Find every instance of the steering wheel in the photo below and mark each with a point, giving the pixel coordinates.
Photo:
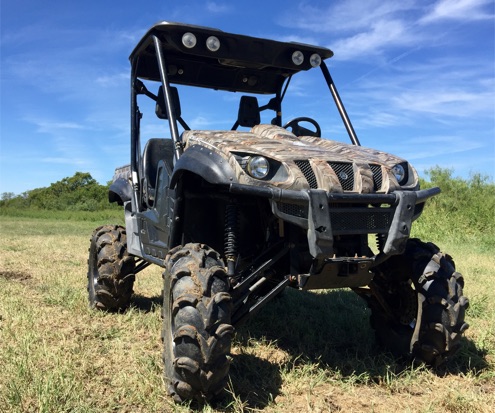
(299, 130)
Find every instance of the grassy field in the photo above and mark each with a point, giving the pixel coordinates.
(307, 352)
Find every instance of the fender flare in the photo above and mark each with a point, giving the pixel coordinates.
(206, 163)
(120, 191)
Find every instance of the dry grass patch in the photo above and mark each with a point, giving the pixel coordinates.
(307, 352)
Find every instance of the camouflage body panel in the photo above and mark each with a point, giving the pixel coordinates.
(309, 162)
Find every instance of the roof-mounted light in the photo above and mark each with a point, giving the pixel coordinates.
(297, 58)
(189, 40)
(212, 43)
(315, 60)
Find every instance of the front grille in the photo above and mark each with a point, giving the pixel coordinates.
(360, 221)
(377, 176)
(345, 173)
(347, 219)
(308, 173)
(300, 211)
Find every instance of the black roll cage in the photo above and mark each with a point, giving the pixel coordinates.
(164, 33)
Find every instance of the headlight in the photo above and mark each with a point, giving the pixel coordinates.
(297, 58)
(400, 173)
(212, 43)
(315, 60)
(189, 40)
(258, 167)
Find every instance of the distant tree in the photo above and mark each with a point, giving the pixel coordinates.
(78, 192)
(7, 196)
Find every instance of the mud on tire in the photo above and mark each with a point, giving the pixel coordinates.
(110, 269)
(197, 330)
(418, 306)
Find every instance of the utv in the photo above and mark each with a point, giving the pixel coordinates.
(234, 216)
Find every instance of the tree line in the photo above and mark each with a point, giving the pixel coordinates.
(472, 199)
(80, 192)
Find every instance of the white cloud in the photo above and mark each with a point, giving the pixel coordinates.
(47, 126)
(344, 16)
(378, 36)
(464, 10)
(437, 146)
(215, 7)
(205, 121)
(383, 118)
(355, 29)
(446, 90)
(454, 102)
(118, 79)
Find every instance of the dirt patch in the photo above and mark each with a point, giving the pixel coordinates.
(15, 275)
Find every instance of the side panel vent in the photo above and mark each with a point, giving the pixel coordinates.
(345, 173)
(308, 173)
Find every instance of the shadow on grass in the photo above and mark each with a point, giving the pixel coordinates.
(254, 382)
(146, 304)
(469, 359)
(330, 330)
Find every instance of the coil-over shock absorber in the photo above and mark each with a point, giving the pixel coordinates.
(380, 241)
(230, 243)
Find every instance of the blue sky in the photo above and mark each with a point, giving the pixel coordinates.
(417, 77)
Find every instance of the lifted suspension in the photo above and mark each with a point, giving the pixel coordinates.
(230, 242)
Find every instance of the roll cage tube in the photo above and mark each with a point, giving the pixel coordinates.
(172, 121)
(339, 104)
(135, 145)
(136, 88)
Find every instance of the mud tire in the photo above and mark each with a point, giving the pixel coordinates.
(110, 269)
(424, 295)
(197, 331)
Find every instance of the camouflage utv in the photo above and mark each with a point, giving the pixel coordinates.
(235, 216)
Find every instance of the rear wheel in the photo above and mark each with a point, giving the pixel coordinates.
(197, 330)
(110, 269)
(418, 304)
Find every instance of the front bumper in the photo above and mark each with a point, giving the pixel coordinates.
(325, 215)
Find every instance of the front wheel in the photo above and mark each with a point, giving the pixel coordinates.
(197, 330)
(417, 304)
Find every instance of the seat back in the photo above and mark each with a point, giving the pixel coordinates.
(156, 150)
(249, 112)
(160, 108)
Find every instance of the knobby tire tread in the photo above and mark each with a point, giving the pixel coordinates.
(197, 330)
(440, 308)
(110, 269)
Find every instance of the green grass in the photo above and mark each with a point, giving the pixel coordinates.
(103, 216)
(306, 352)
(464, 212)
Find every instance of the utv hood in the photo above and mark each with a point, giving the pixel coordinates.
(304, 162)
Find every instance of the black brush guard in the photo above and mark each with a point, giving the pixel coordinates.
(325, 215)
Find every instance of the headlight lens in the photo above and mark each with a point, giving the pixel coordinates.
(400, 174)
(258, 167)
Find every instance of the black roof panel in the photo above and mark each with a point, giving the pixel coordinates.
(242, 63)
